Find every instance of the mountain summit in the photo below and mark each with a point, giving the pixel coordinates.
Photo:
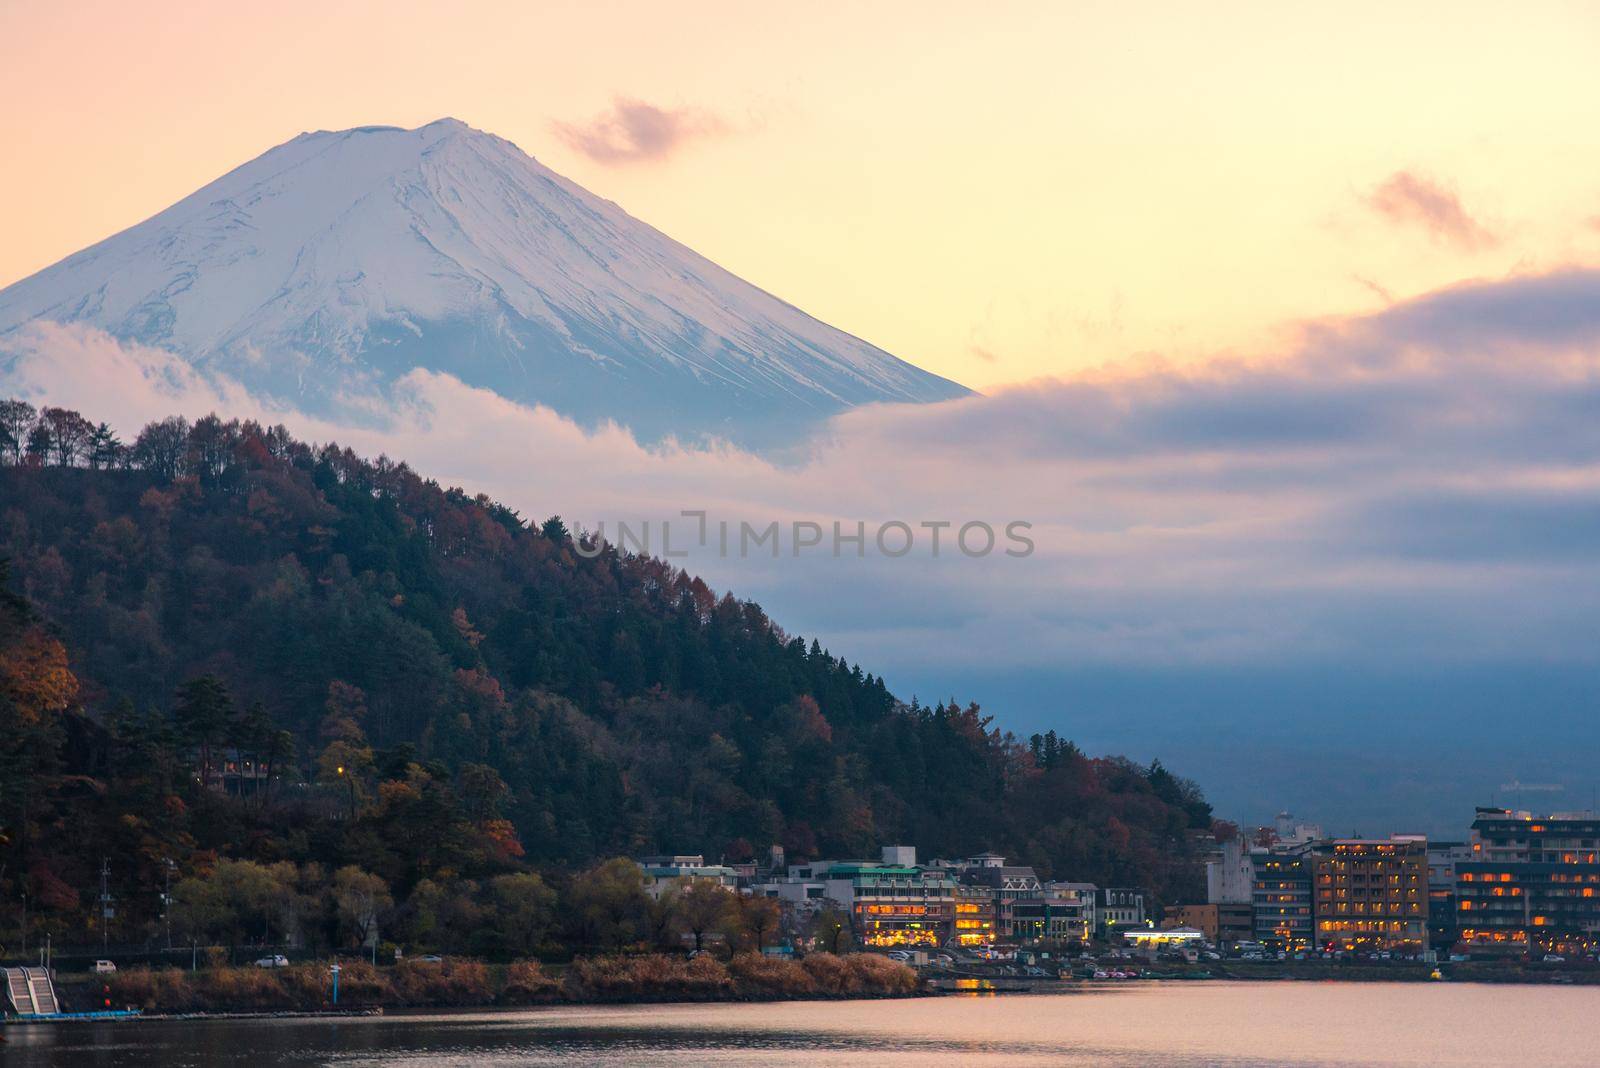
(339, 261)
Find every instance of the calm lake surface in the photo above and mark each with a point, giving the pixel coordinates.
(1175, 1023)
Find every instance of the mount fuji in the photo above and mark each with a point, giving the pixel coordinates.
(335, 263)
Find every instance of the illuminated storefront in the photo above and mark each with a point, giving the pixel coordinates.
(974, 916)
(1046, 918)
(1163, 937)
(891, 902)
(899, 906)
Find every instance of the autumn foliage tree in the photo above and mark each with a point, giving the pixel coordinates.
(37, 688)
(499, 701)
(706, 907)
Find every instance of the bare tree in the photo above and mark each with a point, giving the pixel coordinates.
(16, 419)
(69, 434)
(160, 447)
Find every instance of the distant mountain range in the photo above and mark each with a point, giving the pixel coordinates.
(335, 263)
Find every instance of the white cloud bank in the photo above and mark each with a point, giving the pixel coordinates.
(1423, 484)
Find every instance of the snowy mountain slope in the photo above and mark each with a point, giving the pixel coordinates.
(338, 261)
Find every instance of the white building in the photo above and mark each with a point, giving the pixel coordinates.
(662, 872)
(1230, 880)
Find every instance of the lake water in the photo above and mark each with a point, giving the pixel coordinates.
(1175, 1023)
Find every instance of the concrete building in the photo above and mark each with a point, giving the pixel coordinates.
(890, 902)
(987, 890)
(1118, 908)
(1229, 877)
(1005, 882)
(1223, 923)
(1370, 893)
(1532, 883)
(1442, 860)
(1087, 897)
(1290, 832)
(1280, 898)
(662, 872)
(974, 912)
(1043, 918)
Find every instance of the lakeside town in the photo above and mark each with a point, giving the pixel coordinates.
(1519, 890)
(306, 823)
(1520, 887)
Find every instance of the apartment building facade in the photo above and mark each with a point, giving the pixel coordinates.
(1531, 883)
(1370, 894)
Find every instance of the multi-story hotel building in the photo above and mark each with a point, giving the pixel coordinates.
(891, 902)
(1442, 860)
(1370, 893)
(1280, 898)
(974, 915)
(1532, 883)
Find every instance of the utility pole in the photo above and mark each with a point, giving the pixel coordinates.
(166, 898)
(106, 911)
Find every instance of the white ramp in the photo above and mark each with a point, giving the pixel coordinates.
(30, 992)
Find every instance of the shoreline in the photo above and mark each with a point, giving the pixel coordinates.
(403, 1011)
(927, 987)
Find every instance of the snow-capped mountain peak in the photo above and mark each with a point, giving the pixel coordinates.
(340, 260)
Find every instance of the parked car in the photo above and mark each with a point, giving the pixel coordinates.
(434, 958)
(277, 960)
(1554, 958)
(104, 967)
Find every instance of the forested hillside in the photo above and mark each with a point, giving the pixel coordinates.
(436, 687)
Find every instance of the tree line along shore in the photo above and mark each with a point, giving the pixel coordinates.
(468, 983)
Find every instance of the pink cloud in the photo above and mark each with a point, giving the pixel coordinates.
(633, 131)
(1408, 198)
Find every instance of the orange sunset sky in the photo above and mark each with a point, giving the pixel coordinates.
(994, 193)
